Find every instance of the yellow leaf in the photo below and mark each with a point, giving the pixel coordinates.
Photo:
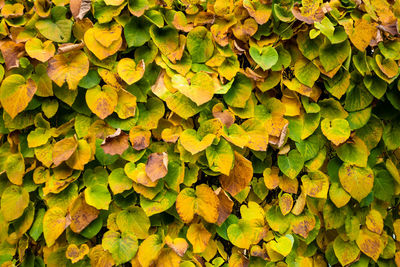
(76, 254)
(285, 203)
(126, 106)
(370, 244)
(374, 221)
(138, 174)
(129, 71)
(179, 245)
(16, 93)
(102, 101)
(168, 258)
(203, 202)
(198, 236)
(303, 224)
(316, 184)
(358, 182)
(103, 40)
(40, 51)
(64, 149)
(271, 177)
(69, 67)
(81, 156)
(149, 250)
(192, 142)
(54, 223)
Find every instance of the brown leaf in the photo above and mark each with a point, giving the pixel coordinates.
(116, 143)
(82, 214)
(65, 48)
(225, 205)
(63, 150)
(11, 52)
(239, 177)
(140, 138)
(157, 166)
(79, 8)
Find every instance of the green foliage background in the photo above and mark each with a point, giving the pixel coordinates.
(199, 133)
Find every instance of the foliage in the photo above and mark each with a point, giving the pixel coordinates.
(199, 133)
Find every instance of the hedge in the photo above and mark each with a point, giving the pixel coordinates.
(199, 133)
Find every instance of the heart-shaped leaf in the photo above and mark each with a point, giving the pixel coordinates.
(69, 67)
(336, 130)
(291, 164)
(129, 71)
(265, 57)
(16, 93)
(41, 51)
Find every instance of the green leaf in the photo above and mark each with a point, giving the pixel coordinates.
(135, 221)
(123, 247)
(199, 44)
(14, 201)
(220, 157)
(265, 57)
(59, 31)
(291, 164)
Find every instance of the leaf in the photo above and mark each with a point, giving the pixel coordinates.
(200, 90)
(98, 196)
(129, 71)
(285, 203)
(79, 8)
(370, 244)
(123, 247)
(150, 249)
(198, 236)
(357, 181)
(76, 254)
(54, 223)
(179, 245)
(81, 214)
(374, 221)
(242, 234)
(81, 156)
(157, 166)
(283, 245)
(14, 200)
(336, 130)
(103, 40)
(265, 57)
(40, 51)
(239, 177)
(14, 166)
(199, 44)
(306, 72)
(220, 157)
(118, 181)
(102, 100)
(194, 143)
(333, 55)
(135, 221)
(354, 151)
(116, 143)
(291, 164)
(58, 31)
(201, 201)
(346, 252)
(64, 149)
(69, 67)
(16, 93)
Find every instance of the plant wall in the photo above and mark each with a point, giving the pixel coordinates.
(199, 133)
